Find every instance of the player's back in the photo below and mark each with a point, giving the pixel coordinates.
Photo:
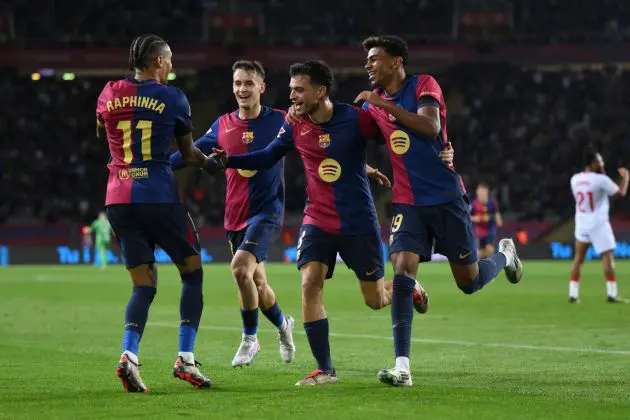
(420, 176)
(141, 119)
(334, 154)
(591, 191)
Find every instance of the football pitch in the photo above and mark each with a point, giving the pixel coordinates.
(507, 352)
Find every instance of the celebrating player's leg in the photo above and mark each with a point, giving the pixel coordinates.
(254, 205)
(430, 206)
(139, 116)
(591, 189)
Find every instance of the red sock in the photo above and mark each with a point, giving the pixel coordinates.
(575, 277)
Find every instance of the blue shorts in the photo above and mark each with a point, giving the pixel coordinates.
(445, 228)
(254, 239)
(363, 254)
(140, 227)
(489, 239)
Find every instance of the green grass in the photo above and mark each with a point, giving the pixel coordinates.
(508, 352)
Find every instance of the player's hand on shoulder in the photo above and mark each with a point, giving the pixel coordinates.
(220, 156)
(448, 154)
(623, 172)
(371, 97)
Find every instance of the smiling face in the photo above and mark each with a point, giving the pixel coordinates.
(380, 66)
(305, 96)
(247, 87)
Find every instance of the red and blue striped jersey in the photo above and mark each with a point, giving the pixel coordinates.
(488, 212)
(141, 120)
(251, 196)
(338, 200)
(420, 176)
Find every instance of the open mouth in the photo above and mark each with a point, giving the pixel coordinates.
(372, 75)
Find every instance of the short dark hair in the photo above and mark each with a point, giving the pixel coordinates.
(250, 66)
(393, 45)
(590, 154)
(319, 72)
(143, 49)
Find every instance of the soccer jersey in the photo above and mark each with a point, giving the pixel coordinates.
(102, 230)
(591, 191)
(141, 119)
(339, 200)
(420, 176)
(488, 214)
(251, 195)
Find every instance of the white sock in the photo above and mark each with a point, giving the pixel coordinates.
(249, 337)
(574, 289)
(187, 356)
(402, 363)
(131, 356)
(611, 288)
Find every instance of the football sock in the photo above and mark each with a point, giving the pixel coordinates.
(611, 286)
(136, 316)
(574, 286)
(274, 314)
(402, 314)
(190, 309)
(250, 321)
(317, 334)
(489, 268)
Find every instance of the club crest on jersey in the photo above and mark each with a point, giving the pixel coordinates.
(324, 140)
(329, 170)
(399, 142)
(391, 117)
(248, 137)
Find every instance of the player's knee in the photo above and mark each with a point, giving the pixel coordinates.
(373, 301)
(242, 275)
(190, 264)
(262, 287)
(468, 289)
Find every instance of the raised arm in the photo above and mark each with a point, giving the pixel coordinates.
(622, 188)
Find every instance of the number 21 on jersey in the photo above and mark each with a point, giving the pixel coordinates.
(145, 139)
(585, 202)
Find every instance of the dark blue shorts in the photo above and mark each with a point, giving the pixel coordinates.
(254, 239)
(362, 254)
(445, 228)
(140, 227)
(489, 239)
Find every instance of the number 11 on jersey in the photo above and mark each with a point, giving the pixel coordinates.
(145, 139)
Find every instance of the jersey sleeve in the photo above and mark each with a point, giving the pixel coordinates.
(267, 157)
(609, 185)
(495, 203)
(183, 121)
(101, 107)
(369, 127)
(204, 143)
(427, 89)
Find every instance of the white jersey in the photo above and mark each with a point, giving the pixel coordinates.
(591, 191)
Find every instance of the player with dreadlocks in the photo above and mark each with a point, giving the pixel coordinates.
(139, 116)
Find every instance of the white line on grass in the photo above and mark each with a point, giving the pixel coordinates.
(428, 341)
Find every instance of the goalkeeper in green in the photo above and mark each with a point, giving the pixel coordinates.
(103, 232)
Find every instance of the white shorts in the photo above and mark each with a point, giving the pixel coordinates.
(600, 236)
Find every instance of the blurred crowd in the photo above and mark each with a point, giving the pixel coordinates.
(324, 22)
(522, 131)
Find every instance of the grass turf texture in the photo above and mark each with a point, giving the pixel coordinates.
(510, 351)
